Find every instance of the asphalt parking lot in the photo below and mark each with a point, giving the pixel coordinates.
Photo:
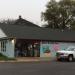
(38, 68)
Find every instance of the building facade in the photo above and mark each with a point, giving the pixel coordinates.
(30, 40)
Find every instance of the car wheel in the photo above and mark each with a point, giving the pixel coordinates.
(70, 58)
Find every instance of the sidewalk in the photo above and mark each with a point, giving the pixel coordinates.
(27, 59)
(35, 59)
(30, 59)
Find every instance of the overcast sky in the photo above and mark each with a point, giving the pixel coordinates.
(29, 9)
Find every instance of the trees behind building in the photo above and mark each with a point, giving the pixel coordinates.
(59, 15)
(8, 21)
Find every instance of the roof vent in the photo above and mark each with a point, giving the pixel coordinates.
(20, 17)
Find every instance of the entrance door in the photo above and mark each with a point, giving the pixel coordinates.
(33, 50)
(36, 50)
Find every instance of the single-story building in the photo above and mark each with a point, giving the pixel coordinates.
(33, 41)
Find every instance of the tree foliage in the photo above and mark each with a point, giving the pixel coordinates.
(60, 14)
(8, 21)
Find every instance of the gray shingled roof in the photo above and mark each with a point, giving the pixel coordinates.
(26, 32)
(24, 22)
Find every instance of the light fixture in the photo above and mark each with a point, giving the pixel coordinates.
(12, 40)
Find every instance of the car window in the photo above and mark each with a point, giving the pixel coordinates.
(71, 49)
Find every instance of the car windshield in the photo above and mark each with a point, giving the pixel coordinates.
(71, 49)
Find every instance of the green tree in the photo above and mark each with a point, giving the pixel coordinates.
(8, 21)
(60, 14)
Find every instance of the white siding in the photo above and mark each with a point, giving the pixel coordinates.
(0, 46)
(9, 49)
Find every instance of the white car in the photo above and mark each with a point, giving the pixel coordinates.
(68, 54)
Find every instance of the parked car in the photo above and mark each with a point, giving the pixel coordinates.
(68, 54)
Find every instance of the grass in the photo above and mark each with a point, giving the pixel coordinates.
(3, 57)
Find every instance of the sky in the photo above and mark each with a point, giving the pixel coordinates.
(28, 9)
